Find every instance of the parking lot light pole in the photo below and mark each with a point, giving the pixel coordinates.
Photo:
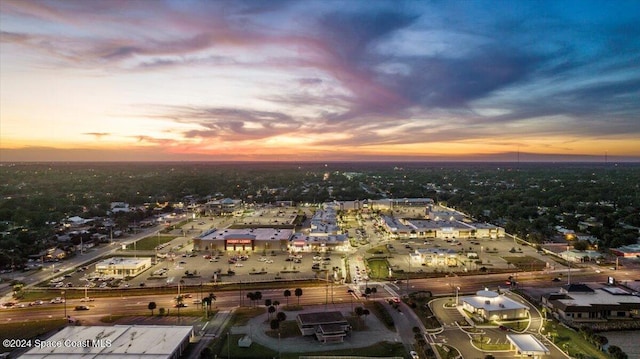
(457, 289)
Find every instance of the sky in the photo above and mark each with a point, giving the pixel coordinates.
(127, 80)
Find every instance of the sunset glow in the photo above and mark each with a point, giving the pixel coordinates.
(317, 80)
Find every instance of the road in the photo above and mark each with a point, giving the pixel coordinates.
(51, 270)
(118, 306)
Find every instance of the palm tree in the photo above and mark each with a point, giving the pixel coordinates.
(365, 312)
(281, 316)
(359, 312)
(287, 294)
(258, 296)
(251, 297)
(152, 306)
(298, 293)
(276, 303)
(275, 324)
(271, 310)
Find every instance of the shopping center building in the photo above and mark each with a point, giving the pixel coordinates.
(244, 239)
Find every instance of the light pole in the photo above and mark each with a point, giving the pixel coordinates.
(64, 294)
(457, 289)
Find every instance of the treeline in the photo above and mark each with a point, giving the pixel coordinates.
(527, 199)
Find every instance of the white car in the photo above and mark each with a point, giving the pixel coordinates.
(414, 355)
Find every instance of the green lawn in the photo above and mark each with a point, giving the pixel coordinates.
(150, 243)
(525, 263)
(378, 268)
(575, 342)
(225, 346)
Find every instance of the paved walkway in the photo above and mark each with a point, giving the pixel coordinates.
(375, 332)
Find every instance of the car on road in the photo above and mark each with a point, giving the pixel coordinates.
(414, 354)
(180, 305)
(87, 299)
(556, 279)
(504, 328)
(81, 307)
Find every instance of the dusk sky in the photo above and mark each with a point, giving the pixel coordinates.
(319, 80)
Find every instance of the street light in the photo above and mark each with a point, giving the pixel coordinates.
(457, 289)
(64, 294)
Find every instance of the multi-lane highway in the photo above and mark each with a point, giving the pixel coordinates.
(118, 306)
(320, 295)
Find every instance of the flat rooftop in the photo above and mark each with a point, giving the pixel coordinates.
(120, 341)
(321, 318)
(260, 234)
(527, 344)
(123, 261)
(602, 296)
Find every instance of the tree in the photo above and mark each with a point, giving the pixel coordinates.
(251, 296)
(359, 312)
(152, 306)
(366, 312)
(580, 245)
(601, 341)
(298, 293)
(267, 303)
(274, 324)
(207, 301)
(276, 303)
(287, 294)
(271, 310)
(281, 316)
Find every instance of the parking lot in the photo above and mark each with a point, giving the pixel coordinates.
(181, 265)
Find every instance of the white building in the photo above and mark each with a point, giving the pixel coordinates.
(122, 267)
(492, 306)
